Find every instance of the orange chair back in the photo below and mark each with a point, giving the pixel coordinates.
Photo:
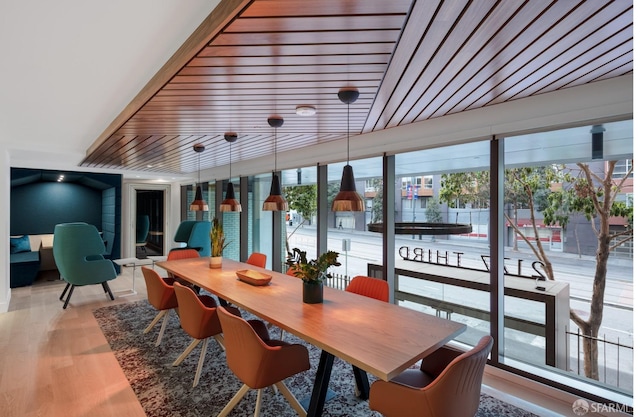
(258, 259)
(182, 254)
(369, 287)
(160, 294)
(253, 361)
(197, 320)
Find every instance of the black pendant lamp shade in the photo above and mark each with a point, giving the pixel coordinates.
(230, 203)
(348, 198)
(275, 201)
(198, 204)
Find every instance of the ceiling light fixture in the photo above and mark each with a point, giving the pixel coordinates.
(348, 198)
(230, 203)
(275, 201)
(198, 203)
(305, 110)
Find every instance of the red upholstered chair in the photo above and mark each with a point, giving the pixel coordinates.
(373, 288)
(260, 363)
(257, 259)
(199, 320)
(446, 385)
(176, 254)
(369, 287)
(161, 296)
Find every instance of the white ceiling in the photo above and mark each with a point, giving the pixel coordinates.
(69, 67)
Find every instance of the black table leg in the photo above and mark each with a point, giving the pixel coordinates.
(362, 382)
(321, 385)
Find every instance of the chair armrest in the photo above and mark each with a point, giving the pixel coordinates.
(435, 363)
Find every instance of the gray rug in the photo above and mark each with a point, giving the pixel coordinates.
(164, 390)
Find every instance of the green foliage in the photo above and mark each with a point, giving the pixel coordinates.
(432, 212)
(376, 204)
(217, 238)
(314, 270)
(465, 188)
(302, 198)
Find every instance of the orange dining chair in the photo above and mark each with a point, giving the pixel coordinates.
(176, 254)
(260, 363)
(257, 259)
(373, 288)
(369, 287)
(199, 320)
(161, 296)
(446, 385)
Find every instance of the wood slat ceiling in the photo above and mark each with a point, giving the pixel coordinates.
(410, 60)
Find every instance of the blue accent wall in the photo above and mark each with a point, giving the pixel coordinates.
(36, 208)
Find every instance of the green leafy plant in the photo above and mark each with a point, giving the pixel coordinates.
(217, 238)
(314, 270)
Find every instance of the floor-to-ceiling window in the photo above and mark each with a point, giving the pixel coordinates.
(441, 252)
(568, 204)
(299, 187)
(260, 222)
(348, 232)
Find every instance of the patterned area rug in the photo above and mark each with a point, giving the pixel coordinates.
(165, 390)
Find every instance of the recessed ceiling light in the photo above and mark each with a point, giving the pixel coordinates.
(304, 110)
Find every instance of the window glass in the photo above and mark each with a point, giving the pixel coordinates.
(300, 189)
(347, 231)
(552, 225)
(445, 274)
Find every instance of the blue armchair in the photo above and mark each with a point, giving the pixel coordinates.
(78, 251)
(196, 235)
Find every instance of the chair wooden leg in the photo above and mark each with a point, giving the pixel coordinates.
(163, 326)
(106, 288)
(292, 399)
(220, 339)
(256, 412)
(203, 352)
(235, 400)
(65, 291)
(155, 320)
(66, 303)
(186, 352)
(161, 313)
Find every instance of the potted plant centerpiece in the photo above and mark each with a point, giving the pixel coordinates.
(217, 244)
(312, 273)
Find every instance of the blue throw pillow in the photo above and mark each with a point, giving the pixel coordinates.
(20, 244)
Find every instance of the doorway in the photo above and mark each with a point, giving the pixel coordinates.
(149, 223)
(146, 216)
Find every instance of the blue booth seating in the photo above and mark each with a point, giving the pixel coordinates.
(24, 259)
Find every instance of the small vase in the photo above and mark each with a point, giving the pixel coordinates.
(312, 292)
(215, 262)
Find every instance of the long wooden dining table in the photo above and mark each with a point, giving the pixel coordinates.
(376, 337)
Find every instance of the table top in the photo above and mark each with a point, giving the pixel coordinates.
(380, 338)
(132, 261)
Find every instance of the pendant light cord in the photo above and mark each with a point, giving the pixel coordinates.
(348, 131)
(275, 150)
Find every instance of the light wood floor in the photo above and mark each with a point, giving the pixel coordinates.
(57, 363)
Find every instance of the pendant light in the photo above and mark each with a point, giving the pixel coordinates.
(348, 198)
(230, 203)
(198, 204)
(275, 201)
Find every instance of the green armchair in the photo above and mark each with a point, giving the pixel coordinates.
(196, 235)
(78, 251)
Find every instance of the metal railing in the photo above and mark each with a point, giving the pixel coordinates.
(610, 356)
